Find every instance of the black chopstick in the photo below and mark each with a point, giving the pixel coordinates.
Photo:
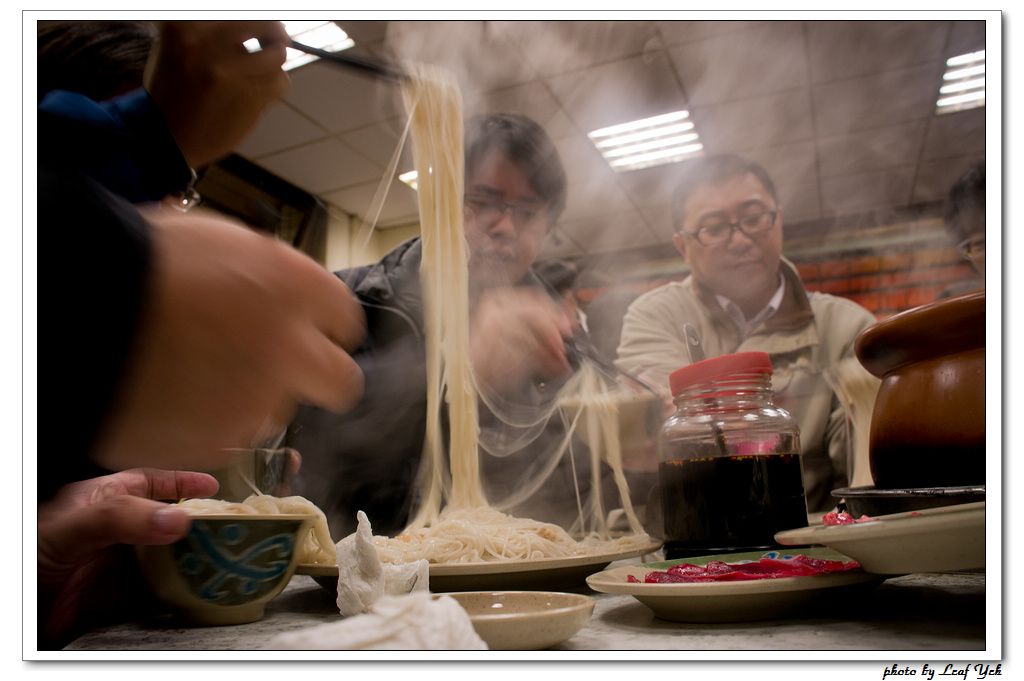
(577, 349)
(370, 66)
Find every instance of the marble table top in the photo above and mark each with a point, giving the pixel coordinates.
(926, 612)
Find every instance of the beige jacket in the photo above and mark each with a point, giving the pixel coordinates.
(810, 334)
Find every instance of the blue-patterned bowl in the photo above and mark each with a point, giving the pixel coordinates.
(228, 566)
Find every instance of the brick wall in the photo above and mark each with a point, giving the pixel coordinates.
(890, 283)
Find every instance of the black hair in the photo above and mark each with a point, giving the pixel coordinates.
(99, 59)
(714, 170)
(529, 147)
(964, 211)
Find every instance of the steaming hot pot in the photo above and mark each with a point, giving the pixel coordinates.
(928, 424)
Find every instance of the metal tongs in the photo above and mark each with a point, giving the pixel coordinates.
(696, 352)
(378, 69)
(580, 348)
(693, 346)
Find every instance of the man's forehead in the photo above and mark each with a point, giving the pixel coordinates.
(498, 175)
(730, 193)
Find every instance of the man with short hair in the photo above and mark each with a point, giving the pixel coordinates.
(963, 216)
(741, 296)
(367, 460)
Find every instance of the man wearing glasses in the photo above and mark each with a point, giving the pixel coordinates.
(742, 295)
(964, 219)
(367, 460)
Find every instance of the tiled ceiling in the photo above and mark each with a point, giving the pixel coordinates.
(842, 113)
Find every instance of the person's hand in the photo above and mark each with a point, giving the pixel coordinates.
(518, 335)
(291, 469)
(236, 329)
(210, 88)
(83, 572)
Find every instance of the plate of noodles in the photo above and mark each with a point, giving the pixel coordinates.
(546, 574)
(468, 543)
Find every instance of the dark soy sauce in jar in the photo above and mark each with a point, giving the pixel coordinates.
(724, 504)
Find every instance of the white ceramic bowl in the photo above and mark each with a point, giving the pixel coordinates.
(525, 620)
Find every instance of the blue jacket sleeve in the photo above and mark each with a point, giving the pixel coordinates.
(95, 161)
(123, 143)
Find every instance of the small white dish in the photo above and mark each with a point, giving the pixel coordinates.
(944, 539)
(524, 620)
(739, 601)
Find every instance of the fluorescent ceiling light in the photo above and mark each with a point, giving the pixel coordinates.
(324, 35)
(963, 83)
(966, 58)
(960, 74)
(659, 144)
(667, 138)
(409, 178)
(978, 83)
(656, 158)
(643, 135)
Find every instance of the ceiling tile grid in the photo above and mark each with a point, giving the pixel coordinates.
(767, 59)
(842, 113)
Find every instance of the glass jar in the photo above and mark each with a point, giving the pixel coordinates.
(728, 460)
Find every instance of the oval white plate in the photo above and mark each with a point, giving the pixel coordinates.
(541, 573)
(739, 601)
(944, 539)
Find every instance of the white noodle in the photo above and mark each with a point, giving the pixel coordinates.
(317, 546)
(856, 390)
(468, 529)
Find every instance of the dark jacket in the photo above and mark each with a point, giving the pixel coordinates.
(95, 160)
(367, 459)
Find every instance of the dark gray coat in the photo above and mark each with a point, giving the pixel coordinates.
(367, 460)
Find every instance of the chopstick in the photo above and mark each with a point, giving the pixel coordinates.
(696, 352)
(374, 68)
(578, 350)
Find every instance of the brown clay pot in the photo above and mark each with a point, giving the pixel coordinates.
(928, 424)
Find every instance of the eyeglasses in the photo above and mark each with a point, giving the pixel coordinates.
(490, 210)
(720, 232)
(973, 247)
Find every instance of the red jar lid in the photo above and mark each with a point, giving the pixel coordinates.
(709, 370)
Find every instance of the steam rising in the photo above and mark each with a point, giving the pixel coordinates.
(815, 102)
(839, 112)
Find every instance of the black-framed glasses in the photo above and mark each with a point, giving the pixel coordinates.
(973, 247)
(490, 209)
(719, 232)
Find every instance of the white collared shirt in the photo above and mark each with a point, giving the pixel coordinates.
(747, 326)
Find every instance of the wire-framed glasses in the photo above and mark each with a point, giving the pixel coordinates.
(490, 209)
(973, 247)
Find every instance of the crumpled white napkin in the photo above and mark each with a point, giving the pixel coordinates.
(414, 621)
(363, 578)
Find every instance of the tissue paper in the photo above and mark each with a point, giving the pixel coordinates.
(363, 578)
(415, 621)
